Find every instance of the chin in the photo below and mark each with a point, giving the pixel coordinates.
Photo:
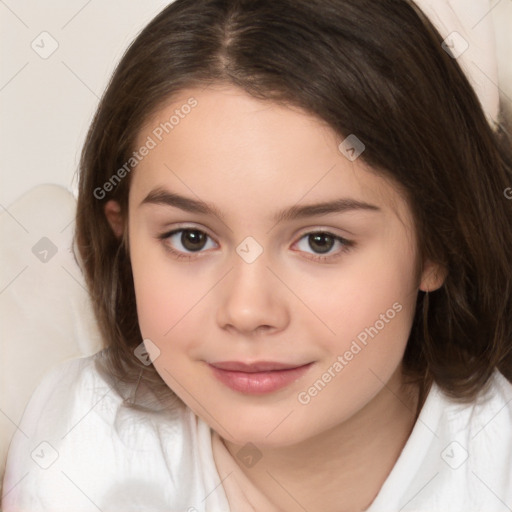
(269, 432)
(261, 439)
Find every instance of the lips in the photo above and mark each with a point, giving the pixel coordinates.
(257, 378)
(259, 366)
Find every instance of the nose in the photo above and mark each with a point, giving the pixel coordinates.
(252, 300)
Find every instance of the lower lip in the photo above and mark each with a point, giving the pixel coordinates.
(259, 383)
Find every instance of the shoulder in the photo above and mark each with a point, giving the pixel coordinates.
(57, 393)
(491, 413)
(458, 456)
(484, 425)
(68, 389)
(81, 387)
(79, 431)
(475, 448)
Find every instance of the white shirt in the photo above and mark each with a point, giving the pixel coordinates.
(78, 449)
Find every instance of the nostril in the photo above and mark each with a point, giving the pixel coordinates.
(263, 328)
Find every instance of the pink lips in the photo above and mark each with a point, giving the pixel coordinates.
(259, 377)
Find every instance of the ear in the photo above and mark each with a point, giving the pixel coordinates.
(432, 277)
(114, 217)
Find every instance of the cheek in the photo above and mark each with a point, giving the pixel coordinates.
(372, 328)
(372, 296)
(167, 314)
(166, 293)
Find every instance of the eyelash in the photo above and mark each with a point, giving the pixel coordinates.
(346, 245)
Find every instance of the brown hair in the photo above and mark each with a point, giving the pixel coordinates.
(374, 69)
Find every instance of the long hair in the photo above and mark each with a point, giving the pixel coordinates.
(374, 69)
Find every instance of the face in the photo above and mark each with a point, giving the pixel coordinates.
(232, 263)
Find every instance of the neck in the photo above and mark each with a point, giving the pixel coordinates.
(347, 464)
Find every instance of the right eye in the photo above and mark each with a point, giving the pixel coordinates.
(191, 240)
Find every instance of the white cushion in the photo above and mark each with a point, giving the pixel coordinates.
(45, 312)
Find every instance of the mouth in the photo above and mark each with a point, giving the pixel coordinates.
(257, 378)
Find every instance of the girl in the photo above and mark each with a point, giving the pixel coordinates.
(294, 226)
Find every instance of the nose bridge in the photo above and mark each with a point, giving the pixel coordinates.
(250, 273)
(250, 295)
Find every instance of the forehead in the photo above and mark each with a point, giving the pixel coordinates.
(228, 148)
(225, 117)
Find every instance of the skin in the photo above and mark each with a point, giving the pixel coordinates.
(251, 159)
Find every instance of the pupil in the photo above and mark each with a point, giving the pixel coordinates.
(323, 242)
(193, 240)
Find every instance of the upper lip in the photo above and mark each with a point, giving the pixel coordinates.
(257, 366)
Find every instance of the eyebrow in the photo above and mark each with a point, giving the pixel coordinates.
(162, 197)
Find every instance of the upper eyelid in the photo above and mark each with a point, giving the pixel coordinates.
(174, 230)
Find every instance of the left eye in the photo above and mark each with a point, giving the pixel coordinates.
(321, 242)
